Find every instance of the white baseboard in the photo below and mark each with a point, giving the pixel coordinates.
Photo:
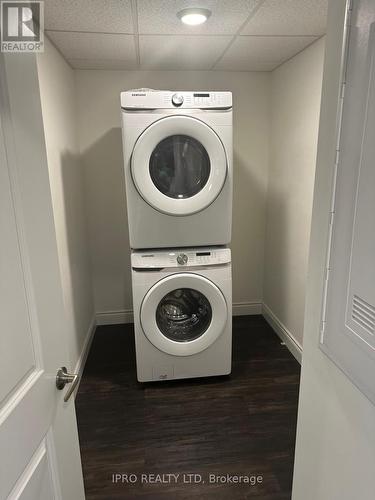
(239, 308)
(285, 335)
(126, 315)
(246, 308)
(114, 317)
(80, 365)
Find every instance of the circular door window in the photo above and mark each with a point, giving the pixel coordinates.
(179, 165)
(183, 314)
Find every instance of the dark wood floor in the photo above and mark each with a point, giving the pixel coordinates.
(243, 424)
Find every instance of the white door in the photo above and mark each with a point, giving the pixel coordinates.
(39, 450)
(179, 165)
(183, 314)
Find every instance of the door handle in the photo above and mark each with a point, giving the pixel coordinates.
(63, 378)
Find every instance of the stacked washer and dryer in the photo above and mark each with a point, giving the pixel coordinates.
(179, 181)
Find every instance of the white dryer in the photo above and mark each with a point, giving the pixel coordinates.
(182, 302)
(178, 167)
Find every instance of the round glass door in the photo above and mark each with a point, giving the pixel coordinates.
(183, 315)
(179, 166)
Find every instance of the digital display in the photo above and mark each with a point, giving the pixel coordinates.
(201, 95)
(201, 254)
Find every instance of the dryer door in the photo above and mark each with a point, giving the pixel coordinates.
(179, 165)
(183, 314)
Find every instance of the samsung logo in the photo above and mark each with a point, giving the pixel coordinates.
(135, 95)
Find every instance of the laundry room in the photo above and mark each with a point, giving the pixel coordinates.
(181, 141)
(275, 111)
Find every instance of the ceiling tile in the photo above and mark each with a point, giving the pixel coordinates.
(288, 17)
(95, 46)
(105, 64)
(102, 16)
(159, 17)
(181, 52)
(261, 53)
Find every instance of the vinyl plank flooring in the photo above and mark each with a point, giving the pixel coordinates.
(242, 424)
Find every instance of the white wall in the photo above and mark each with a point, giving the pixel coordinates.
(274, 113)
(58, 98)
(335, 450)
(295, 104)
(100, 142)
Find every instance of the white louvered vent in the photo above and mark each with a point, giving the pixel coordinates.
(364, 314)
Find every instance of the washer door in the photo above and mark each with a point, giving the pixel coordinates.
(179, 165)
(183, 314)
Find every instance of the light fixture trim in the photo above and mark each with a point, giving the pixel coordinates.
(194, 16)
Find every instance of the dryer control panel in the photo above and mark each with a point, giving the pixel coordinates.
(184, 257)
(166, 99)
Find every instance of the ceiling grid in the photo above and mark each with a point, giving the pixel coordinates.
(136, 29)
(252, 13)
(240, 35)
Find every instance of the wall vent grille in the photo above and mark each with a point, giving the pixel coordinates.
(364, 314)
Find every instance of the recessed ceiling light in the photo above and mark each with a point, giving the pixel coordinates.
(193, 17)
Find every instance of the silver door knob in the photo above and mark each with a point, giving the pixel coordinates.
(177, 99)
(63, 378)
(182, 258)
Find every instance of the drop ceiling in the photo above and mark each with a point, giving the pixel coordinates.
(240, 35)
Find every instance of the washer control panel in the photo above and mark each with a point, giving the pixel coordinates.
(180, 258)
(164, 99)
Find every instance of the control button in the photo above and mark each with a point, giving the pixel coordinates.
(182, 258)
(177, 99)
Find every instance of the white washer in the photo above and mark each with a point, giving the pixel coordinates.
(182, 302)
(178, 167)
